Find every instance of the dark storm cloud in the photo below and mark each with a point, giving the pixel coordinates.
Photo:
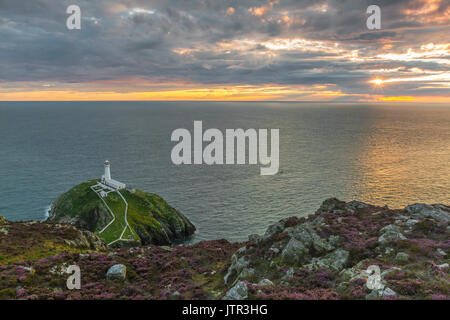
(211, 41)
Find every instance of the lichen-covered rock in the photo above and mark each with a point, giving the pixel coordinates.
(390, 233)
(333, 253)
(237, 265)
(274, 228)
(294, 252)
(435, 211)
(381, 293)
(332, 205)
(333, 261)
(238, 292)
(117, 272)
(265, 282)
(402, 257)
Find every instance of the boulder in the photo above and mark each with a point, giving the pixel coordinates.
(333, 261)
(117, 272)
(294, 252)
(390, 233)
(265, 282)
(247, 274)
(402, 257)
(332, 205)
(308, 237)
(434, 211)
(237, 265)
(254, 238)
(274, 229)
(380, 293)
(238, 292)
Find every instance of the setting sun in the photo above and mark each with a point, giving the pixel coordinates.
(377, 81)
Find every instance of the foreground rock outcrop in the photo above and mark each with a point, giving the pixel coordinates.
(334, 253)
(347, 250)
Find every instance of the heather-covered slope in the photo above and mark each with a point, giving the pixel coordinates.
(324, 256)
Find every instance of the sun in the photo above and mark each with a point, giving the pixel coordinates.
(377, 81)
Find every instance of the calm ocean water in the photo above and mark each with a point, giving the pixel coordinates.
(382, 154)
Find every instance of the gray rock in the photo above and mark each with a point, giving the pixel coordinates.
(174, 295)
(308, 237)
(274, 228)
(117, 272)
(254, 238)
(441, 252)
(331, 205)
(294, 252)
(402, 257)
(389, 271)
(238, 292)
(265, 282)
(355, 205)
(385, 292)
(289, 274)
(333, 261)
(237, 265)
(350, 274)
(274, 250)
(247, 274)
(334, 241)
(390, 233)
(320, 221)
(443, 266)
(435, 211)
(241, 251)
(412, 222)
(388, 292)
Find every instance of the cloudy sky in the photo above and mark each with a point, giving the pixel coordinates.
(225, 50)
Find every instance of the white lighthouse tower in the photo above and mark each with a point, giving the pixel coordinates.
(108, 181)
(107, 175)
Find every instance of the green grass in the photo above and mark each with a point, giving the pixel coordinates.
(113, 232)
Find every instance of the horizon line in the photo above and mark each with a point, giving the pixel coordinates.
(239, 101)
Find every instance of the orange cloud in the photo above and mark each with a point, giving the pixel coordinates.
(230, 11)
(260, 11)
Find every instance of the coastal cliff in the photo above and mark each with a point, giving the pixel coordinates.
(332, 254)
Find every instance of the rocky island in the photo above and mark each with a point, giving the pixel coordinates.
(151, 219)
(328, 255)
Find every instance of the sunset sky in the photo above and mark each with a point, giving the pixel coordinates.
(280, 50)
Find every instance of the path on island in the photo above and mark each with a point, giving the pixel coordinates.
(98, 188)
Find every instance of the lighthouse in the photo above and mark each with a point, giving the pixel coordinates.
(107, 175)
(108, 181)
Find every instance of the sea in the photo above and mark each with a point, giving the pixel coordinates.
(383, 154)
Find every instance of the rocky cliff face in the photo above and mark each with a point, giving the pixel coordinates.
(333, 254)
